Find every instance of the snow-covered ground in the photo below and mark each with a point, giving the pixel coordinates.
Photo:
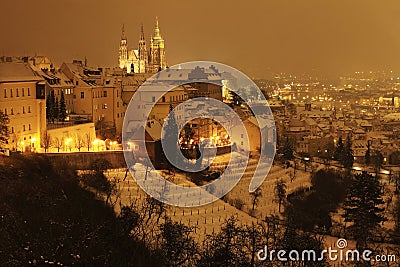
(208, 218)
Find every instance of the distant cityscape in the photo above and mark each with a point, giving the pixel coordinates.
(331, 135)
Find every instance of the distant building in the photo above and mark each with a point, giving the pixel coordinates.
(22, 98)
(140, 60)
(97, 95)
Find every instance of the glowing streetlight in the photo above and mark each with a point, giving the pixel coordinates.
(67, 142)
(96, 142)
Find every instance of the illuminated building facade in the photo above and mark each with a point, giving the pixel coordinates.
(140, 60)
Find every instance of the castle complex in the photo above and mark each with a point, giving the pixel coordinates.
(140, 60)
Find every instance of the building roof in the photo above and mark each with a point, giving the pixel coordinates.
(17, 72)
(152, 133)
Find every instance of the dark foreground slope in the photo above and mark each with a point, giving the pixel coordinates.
(46, 219)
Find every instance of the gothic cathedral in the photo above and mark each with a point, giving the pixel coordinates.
(139, 60)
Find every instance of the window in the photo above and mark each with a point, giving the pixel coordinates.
(163, 99)
(12, 111)
(5, 93)
(76, 83)
(11, 92)
(23, 128)
(105, 93)
(29, 109)
(12, 129)
(104, 106)
(153, 99)
(23, 110)
(29, 91)
(17, 92)
(30, 127)
(82, 94)
(5, 111)
(117, 104)
(23, 92)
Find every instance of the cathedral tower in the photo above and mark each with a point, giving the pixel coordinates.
(157, 51)
(123, 50)
(143, 57)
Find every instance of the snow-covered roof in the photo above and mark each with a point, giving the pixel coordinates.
(17, 72)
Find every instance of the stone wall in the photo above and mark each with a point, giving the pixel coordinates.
(82, 160)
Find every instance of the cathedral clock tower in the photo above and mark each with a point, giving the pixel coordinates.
(157, 51)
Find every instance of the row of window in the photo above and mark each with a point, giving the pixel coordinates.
(24, 128)
(171, 98)
(18, 92)
(12, 111)
(104, 106)
(120, 115)
(98, 94)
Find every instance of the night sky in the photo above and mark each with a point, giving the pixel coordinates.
(329, 37)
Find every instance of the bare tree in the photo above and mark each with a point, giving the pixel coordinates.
(253, 238)
(45, 141)
(79, 142)
(4, 131)
(58, 143)
(255, 196)
(280, 193)
(88, 141)
(179, 247)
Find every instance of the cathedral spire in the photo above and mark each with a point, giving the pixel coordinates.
(141, 33)
(123, 36)
(157, 29)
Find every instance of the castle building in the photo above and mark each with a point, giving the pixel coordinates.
(140, 60)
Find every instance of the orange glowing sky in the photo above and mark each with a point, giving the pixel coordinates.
(255, 36)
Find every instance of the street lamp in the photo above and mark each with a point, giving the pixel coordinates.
(96, 142)
(67, 143)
